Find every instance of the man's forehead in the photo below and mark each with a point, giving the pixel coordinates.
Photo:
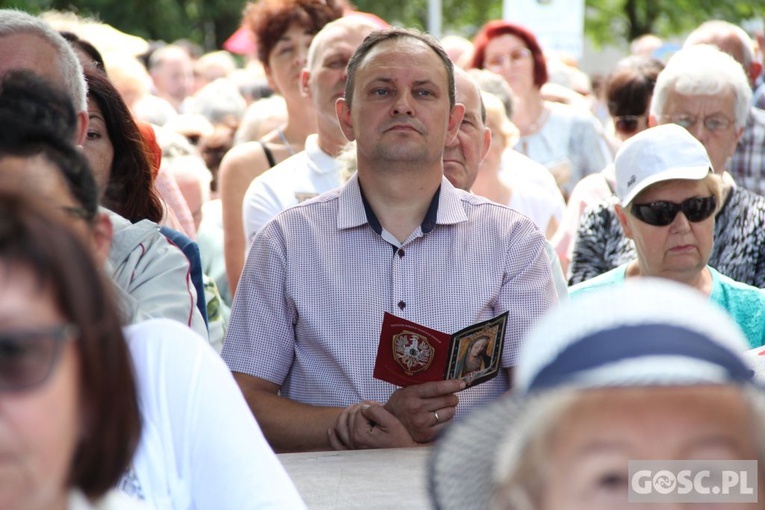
(339, 39)
(400, 54)
(30, 52)
(468, 94)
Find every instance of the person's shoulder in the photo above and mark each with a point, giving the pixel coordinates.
(244, 155)
(154, 340)
(284, 172)
(613, 277)
(740, 288)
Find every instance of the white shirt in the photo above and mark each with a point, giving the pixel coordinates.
(294, 180)
(200, 446)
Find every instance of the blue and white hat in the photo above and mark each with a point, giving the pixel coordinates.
(648, 332)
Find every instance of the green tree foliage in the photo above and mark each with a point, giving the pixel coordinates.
(210, 22)
(206, 22)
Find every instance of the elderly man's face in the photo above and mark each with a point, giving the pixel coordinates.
(604, 429)
(463, 154)
(720, 144)
(401, 109)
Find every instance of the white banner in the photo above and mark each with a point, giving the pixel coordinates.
(557, 24)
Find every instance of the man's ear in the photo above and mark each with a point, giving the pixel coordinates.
(81, 130)
(102, 232)
(652, 121)
(621, 214)
(344, 118)
(305, 77)
(486, 142)
(455, 119)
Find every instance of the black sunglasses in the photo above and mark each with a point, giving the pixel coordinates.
(27, 358)
(661, 214)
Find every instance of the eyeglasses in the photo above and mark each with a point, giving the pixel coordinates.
(712, 123)
(77, 212)
(661, 214)
(627, 124)
(27, 358)
(512, 57)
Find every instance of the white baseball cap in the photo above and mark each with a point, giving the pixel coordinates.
(658, 154)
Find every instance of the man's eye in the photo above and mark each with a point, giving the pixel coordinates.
(425, 93)
(380, 92)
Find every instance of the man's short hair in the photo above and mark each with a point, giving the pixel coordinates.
(14, 22)
(393, 34)
(37, 120)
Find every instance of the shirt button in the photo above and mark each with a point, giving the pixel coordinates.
(400, 252)
(401, 305)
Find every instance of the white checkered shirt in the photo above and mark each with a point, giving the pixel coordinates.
(310, 303)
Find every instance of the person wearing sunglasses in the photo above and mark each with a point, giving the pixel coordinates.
(69, 412)
(628, 95)
(706, 92)
(668, 195)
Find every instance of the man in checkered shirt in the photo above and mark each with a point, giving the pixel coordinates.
(397, 238)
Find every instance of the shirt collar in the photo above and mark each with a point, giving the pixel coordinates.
(445, 208)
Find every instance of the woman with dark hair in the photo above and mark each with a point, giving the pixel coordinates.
(70, 416)
(567, 140)
(283, 29)
(629, 89)
(118, 154)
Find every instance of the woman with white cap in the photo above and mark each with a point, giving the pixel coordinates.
(668, 195)
(644, 372)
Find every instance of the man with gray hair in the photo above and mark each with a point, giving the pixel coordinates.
(396, 238)
(150, 273)
(705, 91)
(747, 165)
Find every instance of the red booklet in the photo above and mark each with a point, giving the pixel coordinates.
(412, 354)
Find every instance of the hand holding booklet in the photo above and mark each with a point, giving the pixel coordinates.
(410, 353)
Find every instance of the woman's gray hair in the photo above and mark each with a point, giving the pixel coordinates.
(18, 22)
(703, 70)
(522, 465)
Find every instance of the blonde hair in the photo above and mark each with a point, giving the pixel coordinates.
(495, 116)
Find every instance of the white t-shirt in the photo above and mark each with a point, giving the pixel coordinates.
(536, 203)
(200, 446)
(294, 180)
(520, 168)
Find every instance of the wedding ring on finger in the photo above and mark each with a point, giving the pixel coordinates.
(435, 415)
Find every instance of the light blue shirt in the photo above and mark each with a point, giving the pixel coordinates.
(746, 304)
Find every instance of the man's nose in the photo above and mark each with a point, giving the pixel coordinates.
(403, 105)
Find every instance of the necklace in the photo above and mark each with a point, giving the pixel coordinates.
(538, 123)
(285, 142)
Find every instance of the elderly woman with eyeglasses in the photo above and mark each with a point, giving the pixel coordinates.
(668, 195)
(705, 91)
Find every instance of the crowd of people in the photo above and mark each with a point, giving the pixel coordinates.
(197, 253)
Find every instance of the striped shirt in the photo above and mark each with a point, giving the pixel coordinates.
(318, 278)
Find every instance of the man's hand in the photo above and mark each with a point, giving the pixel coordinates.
(425, 408)
(368, 425)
